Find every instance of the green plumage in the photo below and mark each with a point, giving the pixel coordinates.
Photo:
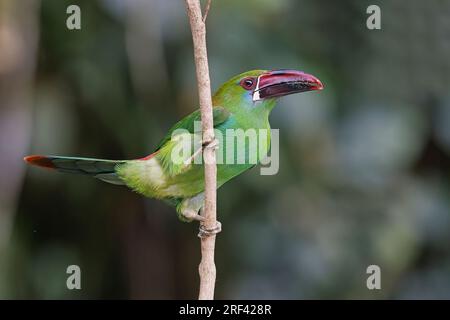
(158, 177)
(182, 184)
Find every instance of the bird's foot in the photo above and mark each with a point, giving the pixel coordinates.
(214, 144)
(204, 232)
(189, 160)
(192, 215)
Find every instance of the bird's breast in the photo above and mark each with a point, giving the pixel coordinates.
(242, 144)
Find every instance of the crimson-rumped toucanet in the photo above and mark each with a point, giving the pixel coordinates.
(243, 102)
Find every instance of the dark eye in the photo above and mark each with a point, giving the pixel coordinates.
(248, 83)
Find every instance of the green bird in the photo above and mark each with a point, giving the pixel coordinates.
(243, 102)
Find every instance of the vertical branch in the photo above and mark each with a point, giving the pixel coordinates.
(207, 268)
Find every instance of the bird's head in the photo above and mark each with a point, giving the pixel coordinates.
(261, 88)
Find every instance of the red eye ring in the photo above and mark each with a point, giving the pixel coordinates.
(248, 83)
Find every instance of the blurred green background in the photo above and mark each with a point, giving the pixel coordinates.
(364, 164)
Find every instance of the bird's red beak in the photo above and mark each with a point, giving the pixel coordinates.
(277, 83)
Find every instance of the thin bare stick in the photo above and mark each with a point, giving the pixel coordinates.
(208, 229)
(205, 15)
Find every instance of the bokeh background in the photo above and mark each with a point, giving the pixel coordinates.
(364, 164)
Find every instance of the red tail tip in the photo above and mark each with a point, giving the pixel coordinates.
(39, 161)
(149, 156)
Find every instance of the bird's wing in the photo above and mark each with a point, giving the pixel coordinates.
(220, 115)
(188, 139)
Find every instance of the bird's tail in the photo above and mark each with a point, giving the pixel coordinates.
(98, 168)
